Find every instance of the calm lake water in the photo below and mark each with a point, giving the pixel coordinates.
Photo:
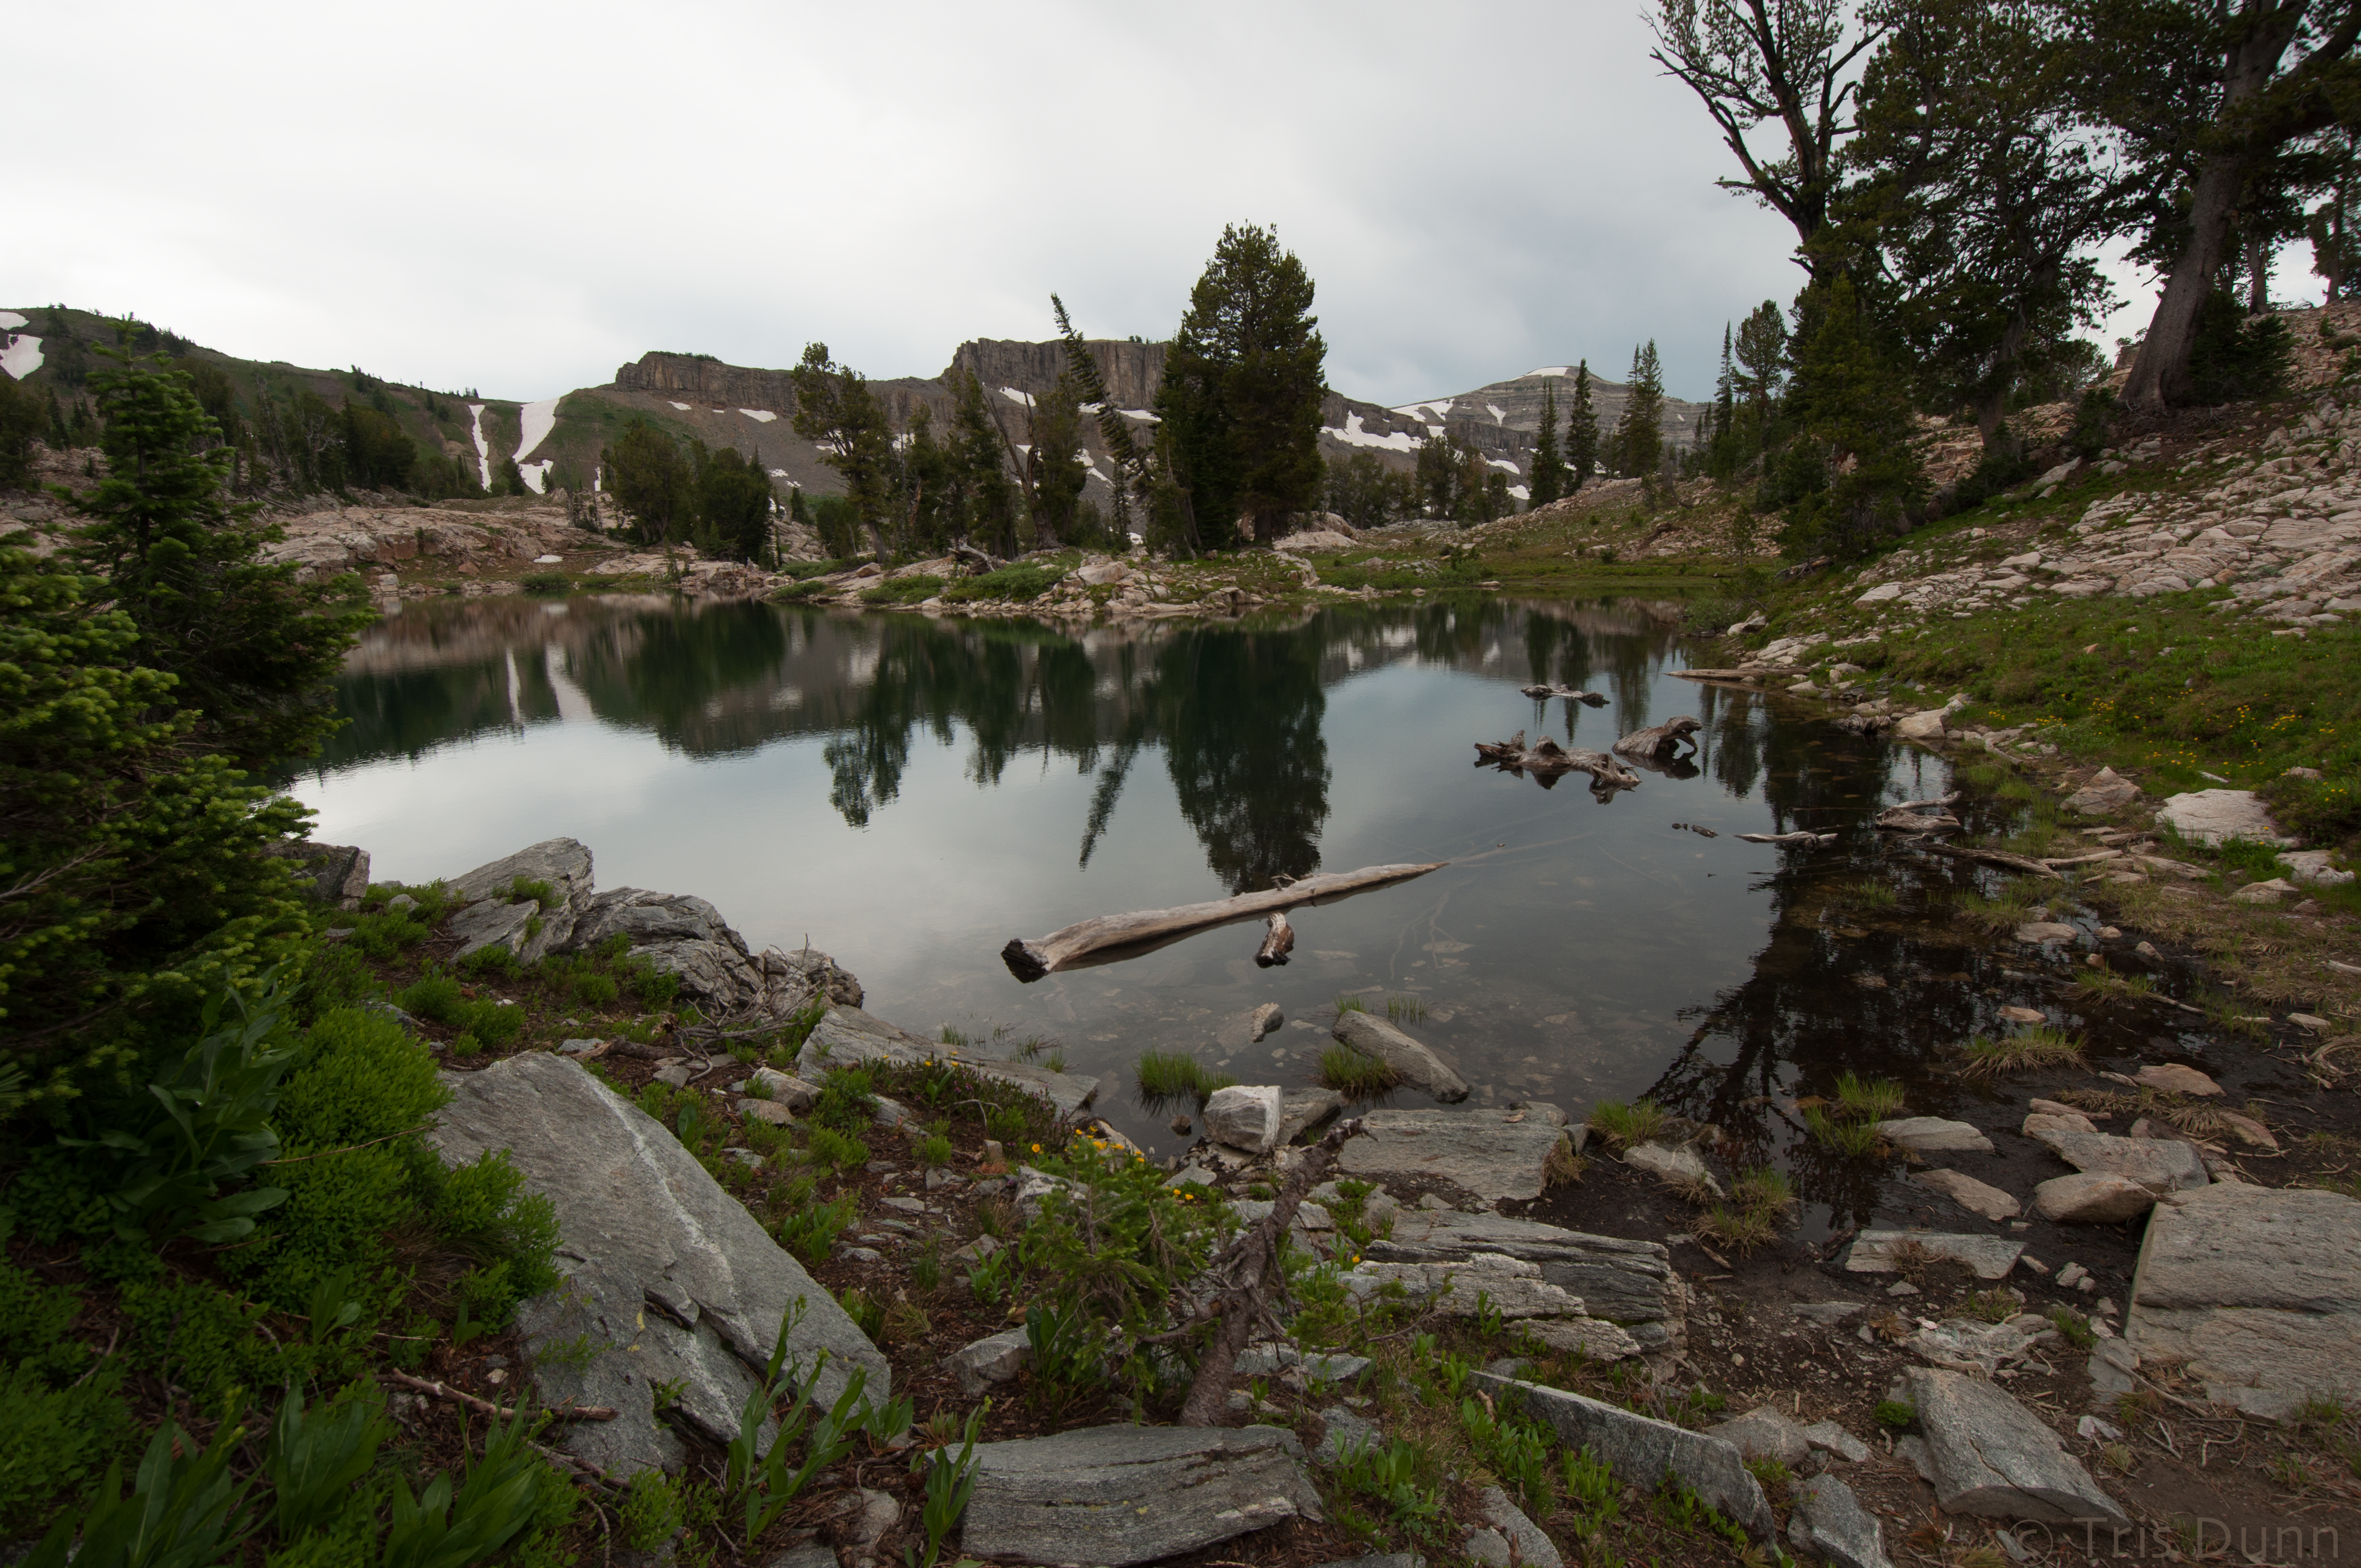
(908, 795)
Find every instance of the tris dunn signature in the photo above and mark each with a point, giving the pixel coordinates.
(2193, 1538)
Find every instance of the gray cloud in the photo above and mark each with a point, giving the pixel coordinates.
(520, 198)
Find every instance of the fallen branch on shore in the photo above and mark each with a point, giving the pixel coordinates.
(1798, 840)
(2001, 858)
(1069, 946)
(1750, 673)
(1244, 1277)
(1659, 739)
(485, 1406)
(1899, 819)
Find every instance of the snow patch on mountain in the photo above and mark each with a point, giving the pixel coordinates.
(22, 356)
(760, 416)
(483, 447)
(538, 419)
(1356, 433)
(1434, 412)
(10, 321)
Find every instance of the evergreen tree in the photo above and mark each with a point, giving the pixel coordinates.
(22, 421)
(251, 649)
(1055, 471)
(1848, 475)
(1581, 432)
(650, 480)
(1115, 431)
(1242, 390)
(1638, 434)
(1762, 371)
(836, 411)
(1548, 481)
(58, 437)
(1440, 465)
(1721, 436)
(733, 503)
(988, 498)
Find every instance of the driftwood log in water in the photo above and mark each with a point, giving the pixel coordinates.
(1070, 945)
(1798, 840)
(1902, 819)
(1750, 673)
(1572, 694)
(1277, 942)
(1658, 738)
(2001, 858)
(1547, 759)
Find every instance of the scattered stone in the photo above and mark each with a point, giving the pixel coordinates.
(996, 1359)
(2039, 1122)
(2210, 815)
(1969, 1193)
(1830, 1313)
(2092, 1198)
(1925, 725)
(2258, 1290)
(1245, 1117)
(2039, 931)
(2024, 1015)
(1629, 1283)
(1992, 1458)
(1267, 1018)
(1991, 1258)
(1115, 1496)
(1487, 1282)
(2110, 1366)
(1830, 1437)
(2311, 868)
(1640, 1449)
(1344, 1431)
(769, 1111)
(1933, 1135)
(1593, 1337)
(1301, 1109)
(1514, 1539)
(1419, 1067)
(1483, 1152)
(2269, 892)
(2174, 1078)
(770, 1084)
(2159, 1164)
(2071, 1275)
(676, 1075)
(338, 874)
(1679, 1167)
(581, 1048)
(1829, 1522)
(2106, 792)
(1966, 1344)
(1765, 1432)
(640, 1222)
(847, 1036)
(1902, 1287)
(2053, 1108)
(2248, 1130)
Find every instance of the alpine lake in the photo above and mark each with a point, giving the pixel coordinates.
(908, 793)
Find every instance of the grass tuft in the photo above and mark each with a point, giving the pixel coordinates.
(1355, 1076)
(1169, 1078)
(1868, 1099)
(1623, 1125)
(2041, 1046)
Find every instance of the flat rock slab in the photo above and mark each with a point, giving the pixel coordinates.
(2259, 1289)
(1830, 1437)
(1990, 1256)
(490, 925)
(1976, 1196)
(847, 1036)
(1485, 1282)
(1679, 1167)
(1989, 1456)
(1933, 1135)
(1629, 1283)
(1109, 1496)
(1593, 1337)
(2039, 931)
(1507, 1537)
(2210, 815)
(2092, 1198)
(629, 1200)
(1301, 1109)
(1419, 1067)
(1343, 1430)
(2174, 1078)
(1481, 1152)
(1640, 1449)
(2160, 1164)
(562, 863)
(1828, 1521)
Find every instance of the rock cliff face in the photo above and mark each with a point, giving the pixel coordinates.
(701, 379)
(1132, 370)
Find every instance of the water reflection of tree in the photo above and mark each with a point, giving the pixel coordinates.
(1239, 716)
(1803, 1017)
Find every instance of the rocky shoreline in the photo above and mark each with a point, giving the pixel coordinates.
(2240, 1302)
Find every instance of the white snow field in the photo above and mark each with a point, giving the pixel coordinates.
(1355, 434)
(760, 416)
(10, 321)
(681, 407)
(483, 447)
(22, 356)
(1437, 410)
(537, 420)
(1547, 370)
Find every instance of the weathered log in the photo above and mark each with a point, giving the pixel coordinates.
(1571, 694)
(1070, 945)
(1246, 1274)
(2055, 862)
(1277, 942)
(1747, 673)
(1546, 759)
(1658, 738)
(1901, 819)
(1950, 799)
(1500, 750)
(2001, 858)
(1796, 838)
(978, 559)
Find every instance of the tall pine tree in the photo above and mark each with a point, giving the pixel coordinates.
(1638, 434)
(1581, 431)
(1548, 482)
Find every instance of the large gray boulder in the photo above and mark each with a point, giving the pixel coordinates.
(1629, 1283)
(1419, 1067)
(1988, 1455)
(1109, 1496)
(2210, 815)
(1640, 1449)
(562, 863)
(650, 1236)
(1490, 1153)
(846, 1036)
(2258, 1290)
(1246, 1116)
(2160, 1164)
(336, 875)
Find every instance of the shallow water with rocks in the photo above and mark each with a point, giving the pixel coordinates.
(908, 793)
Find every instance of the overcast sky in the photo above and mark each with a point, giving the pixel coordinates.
(520, 198)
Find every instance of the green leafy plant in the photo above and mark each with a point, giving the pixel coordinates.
(184, 1512)
(1868, 1099)
(810, 1231)
(764, 1486)
(951, 1481)
(315, 1458)
(1169, 1078)
(1896, 1415)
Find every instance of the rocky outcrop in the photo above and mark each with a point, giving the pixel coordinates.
(2258, 1290)
(670, 1278)
(1988, 1455)
(1629, 1283)
(1132, 371)
(1641, 1450)
(701, 379)
(845, 1034)
(1488, 1153)
(1122, 1495)
(336, 875)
